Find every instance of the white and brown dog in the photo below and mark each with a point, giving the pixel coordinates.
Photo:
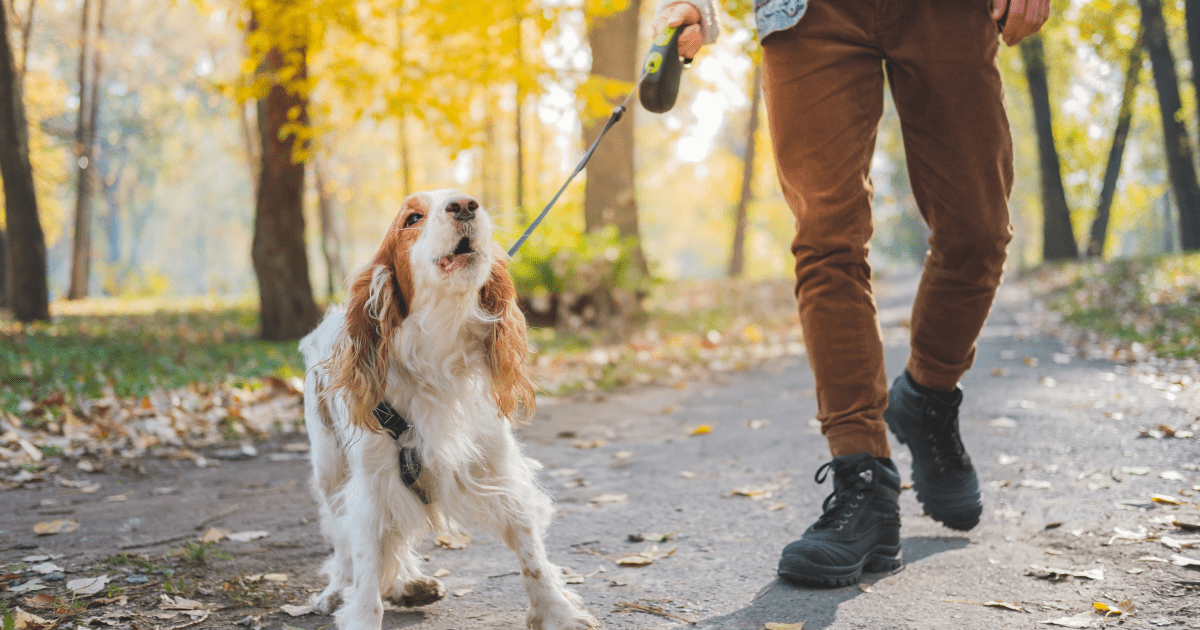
(432, 329)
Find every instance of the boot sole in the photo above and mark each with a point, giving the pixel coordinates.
(962, 515)
(879, 560)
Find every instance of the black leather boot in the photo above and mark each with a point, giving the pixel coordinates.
(860, 529)
(942, 473)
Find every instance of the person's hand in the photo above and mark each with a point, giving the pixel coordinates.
(686, 15)
(1022, 18)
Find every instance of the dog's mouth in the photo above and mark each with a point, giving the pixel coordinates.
(458, 258)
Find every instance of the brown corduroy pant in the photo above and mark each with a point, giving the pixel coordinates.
(823, 80)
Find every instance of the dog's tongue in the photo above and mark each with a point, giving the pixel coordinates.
(452, 262)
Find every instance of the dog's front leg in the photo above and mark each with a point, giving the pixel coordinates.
(363, 609)
(526, 511)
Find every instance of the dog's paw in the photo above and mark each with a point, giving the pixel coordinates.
(422, 591)
(577, 619)
(325, 602)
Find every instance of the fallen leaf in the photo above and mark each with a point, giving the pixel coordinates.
(589, 444)
(634, 561)
(637, 538)
(179, 603)
(1134, 571)
(441, 573)
(1172, 475)
(453, 541)
(687, 474)
(41, 600)
(275, 577)
(1005, 605)
(608, 497)
(297, 611)
(1166, 500)
(1179, 544)
(250, 621)
(1055, 575)
(866, 588)
(1036, 484)
(463, 591)
(756, 493)
(32, 585)
(1082, 620)
(1030, 361)
(1006, 460)
(1135, 470)
(771, 625)
(1123, 608)
(1184, 561)
(703, 429)
(248, 536)
(23, 620)
(116, 498)
(213, 535)
(45, 567)
(57, 526)
(758, 424)
(88, 586)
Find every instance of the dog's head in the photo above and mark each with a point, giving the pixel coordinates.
(438, 248)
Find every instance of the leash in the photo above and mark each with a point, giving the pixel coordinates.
(657, 86)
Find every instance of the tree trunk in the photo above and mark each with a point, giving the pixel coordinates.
(1113, 170)
(1192, 16)
(287, 307)
(737, 259)
(1058, 238)
(331, 247)
(609, 194)
(26, 28)
(85, 150)
(26, 266)
(3, 263)
(1177, 144)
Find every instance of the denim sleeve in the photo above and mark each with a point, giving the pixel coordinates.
(777, 15)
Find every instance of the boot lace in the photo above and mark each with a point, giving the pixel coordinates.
(944, 439)
(848, 494)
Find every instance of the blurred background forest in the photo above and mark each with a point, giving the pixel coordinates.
(251, 151)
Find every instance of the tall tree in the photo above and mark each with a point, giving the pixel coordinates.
(85, 147)
(1058, 237)
(609, 195)
(26, 267)
(737, 259)
(1192, 17)
(1112, 170)
(286, 303)
(1176, 143)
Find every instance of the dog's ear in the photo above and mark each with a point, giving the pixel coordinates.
(507, 346)
(374, 313)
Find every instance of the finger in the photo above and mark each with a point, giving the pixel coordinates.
(690, 42)
(999, 8)
(1015, 23)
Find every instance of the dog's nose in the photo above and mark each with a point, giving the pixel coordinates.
(463, 208)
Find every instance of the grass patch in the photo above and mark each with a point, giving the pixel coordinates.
(131, 354)
(1152, 301)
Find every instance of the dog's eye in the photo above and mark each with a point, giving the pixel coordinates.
(413, 219)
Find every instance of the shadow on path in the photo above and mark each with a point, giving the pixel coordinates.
(783, 602)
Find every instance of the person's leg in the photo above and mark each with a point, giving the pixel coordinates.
(947, 88)
(823, 82)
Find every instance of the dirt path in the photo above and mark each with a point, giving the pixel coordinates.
(1056, 442)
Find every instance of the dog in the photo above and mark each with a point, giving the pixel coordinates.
(410, 394)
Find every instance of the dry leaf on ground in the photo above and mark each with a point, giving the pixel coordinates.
(57, 526)
(703, 429)
(771, 625)
(88, 586)
(297, 611)
(1184, 561)
(644, 558)
(1005, 605)
(441, 573)
(1124, 608)
(213, 535)
(453, 541)
(1055, 575)
(247, 536)
(179, 603)
(608, 497)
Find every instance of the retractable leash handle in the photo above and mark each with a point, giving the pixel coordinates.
(662, 68)
(658, 86)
